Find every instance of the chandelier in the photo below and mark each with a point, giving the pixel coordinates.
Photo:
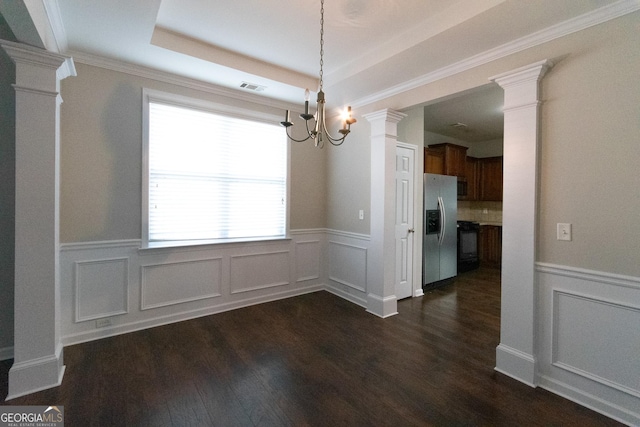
(318, 132)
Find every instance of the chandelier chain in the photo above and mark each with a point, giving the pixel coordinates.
(321, 41)
(318, 131)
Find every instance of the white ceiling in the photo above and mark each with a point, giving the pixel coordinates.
(370, 45)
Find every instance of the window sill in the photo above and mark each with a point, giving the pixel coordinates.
(205, 244)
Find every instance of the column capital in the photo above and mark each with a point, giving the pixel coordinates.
(387, 115)
(535, 71)
(26, 57)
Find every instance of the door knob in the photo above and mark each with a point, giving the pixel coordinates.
(411, 230)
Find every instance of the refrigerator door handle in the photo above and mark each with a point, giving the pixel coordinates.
(443, 220)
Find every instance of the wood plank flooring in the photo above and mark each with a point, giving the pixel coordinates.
(313, 360)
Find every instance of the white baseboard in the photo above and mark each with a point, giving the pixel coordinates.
(516, 364)
(590, 401)
(182, 316)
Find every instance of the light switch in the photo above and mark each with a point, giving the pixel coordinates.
(361, 214)
(564, 231)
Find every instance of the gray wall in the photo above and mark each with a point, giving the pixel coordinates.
(101, 157)
(7, 190)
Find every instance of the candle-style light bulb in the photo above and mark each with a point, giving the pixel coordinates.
(307, 97)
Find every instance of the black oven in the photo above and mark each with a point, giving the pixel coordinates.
(468, 245)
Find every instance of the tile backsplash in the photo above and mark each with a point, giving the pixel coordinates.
(483, 212)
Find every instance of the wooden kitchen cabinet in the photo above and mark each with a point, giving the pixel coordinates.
(471, 181)
(490, 245)
(490, 178)
(433, 161)
(454, 158)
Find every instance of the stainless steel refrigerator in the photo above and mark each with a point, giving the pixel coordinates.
(439, 245)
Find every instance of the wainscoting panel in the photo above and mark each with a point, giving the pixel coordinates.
(347, 266)
(589, 339)
(619, 368)
(259, 271)
(113, 287)
(101, 288)
(178, 282)
(308, 259)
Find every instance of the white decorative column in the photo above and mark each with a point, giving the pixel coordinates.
(38, 360)
(516, 354)
(381, 299)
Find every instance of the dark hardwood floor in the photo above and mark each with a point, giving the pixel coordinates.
(312, 360)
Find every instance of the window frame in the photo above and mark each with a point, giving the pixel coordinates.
(151, 95)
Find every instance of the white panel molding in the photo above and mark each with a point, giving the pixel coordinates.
(6, 353)
(598, 16)
(588, 333)
(308, 260)
(260, 272)
(94, 296)
(205, 284)
(344, 262)
(632, 340)
(303, 260)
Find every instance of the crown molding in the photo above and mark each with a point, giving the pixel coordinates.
(598, 16)
(166, 77)
(56, 25)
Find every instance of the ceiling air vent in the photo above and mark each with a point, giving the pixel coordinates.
(252, 86)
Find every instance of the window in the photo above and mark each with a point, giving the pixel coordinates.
(211, 175)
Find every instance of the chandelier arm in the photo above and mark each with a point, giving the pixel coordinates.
(296, 140)
(312, 134)
(331, 138)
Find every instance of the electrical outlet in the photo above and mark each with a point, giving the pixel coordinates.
(564, 231)
(103, 323)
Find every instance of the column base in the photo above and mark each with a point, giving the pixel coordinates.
(35, 375)
(516, 364)
(382, 307)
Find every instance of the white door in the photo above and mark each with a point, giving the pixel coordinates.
(404, 221)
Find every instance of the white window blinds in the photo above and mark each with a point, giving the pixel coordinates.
(214, 177)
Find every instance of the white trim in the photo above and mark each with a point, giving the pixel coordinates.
(588, 400)
(103, 244)
(348, 234)
(171, 78)
(56, 24)
(598, 16)
(78, 282)
(590, 275)
(516, 364)
(92, 335)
